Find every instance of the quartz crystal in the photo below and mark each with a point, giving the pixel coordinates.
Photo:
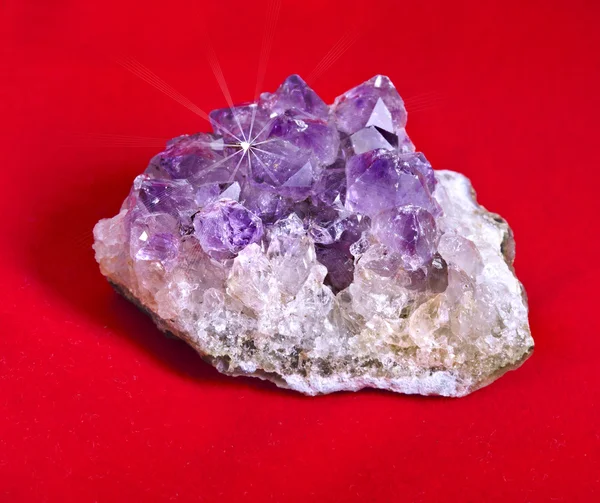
(312, 246)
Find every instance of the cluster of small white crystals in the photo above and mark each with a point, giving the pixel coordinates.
(268, 312)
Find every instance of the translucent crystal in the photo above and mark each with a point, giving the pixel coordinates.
(294, 95)
(369, 138)
(225, 227)
(313, 135)
(311, 245)
(380, 180)
(409, 231)
(376, 102)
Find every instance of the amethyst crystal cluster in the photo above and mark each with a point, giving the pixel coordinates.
(312, 246)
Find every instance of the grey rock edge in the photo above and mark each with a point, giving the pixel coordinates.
(507, 345)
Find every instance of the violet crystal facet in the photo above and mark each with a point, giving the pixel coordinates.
(312, 246)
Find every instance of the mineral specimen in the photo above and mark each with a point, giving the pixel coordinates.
(310, 245)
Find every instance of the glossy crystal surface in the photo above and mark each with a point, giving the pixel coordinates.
(312, 243)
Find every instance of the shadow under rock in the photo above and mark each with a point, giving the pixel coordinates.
(60, 254)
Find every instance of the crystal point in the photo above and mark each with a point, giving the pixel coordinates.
(295, 95)
(375, 102)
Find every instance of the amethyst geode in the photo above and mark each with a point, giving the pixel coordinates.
(310, 245)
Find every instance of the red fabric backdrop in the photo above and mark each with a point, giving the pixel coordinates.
(96, 405)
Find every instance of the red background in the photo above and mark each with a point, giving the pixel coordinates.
(96, 405)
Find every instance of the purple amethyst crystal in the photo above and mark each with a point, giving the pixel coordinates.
(162, 247)
(294, 95)
(285, 169)
(168, 196)
(267, 205)
(313, 135)
(373, 103)
(347, 172)
(225, 227)
(331, 186)
(313, 246)
(187, 157)
(245, 123)
(380, 180)
(409, 231)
